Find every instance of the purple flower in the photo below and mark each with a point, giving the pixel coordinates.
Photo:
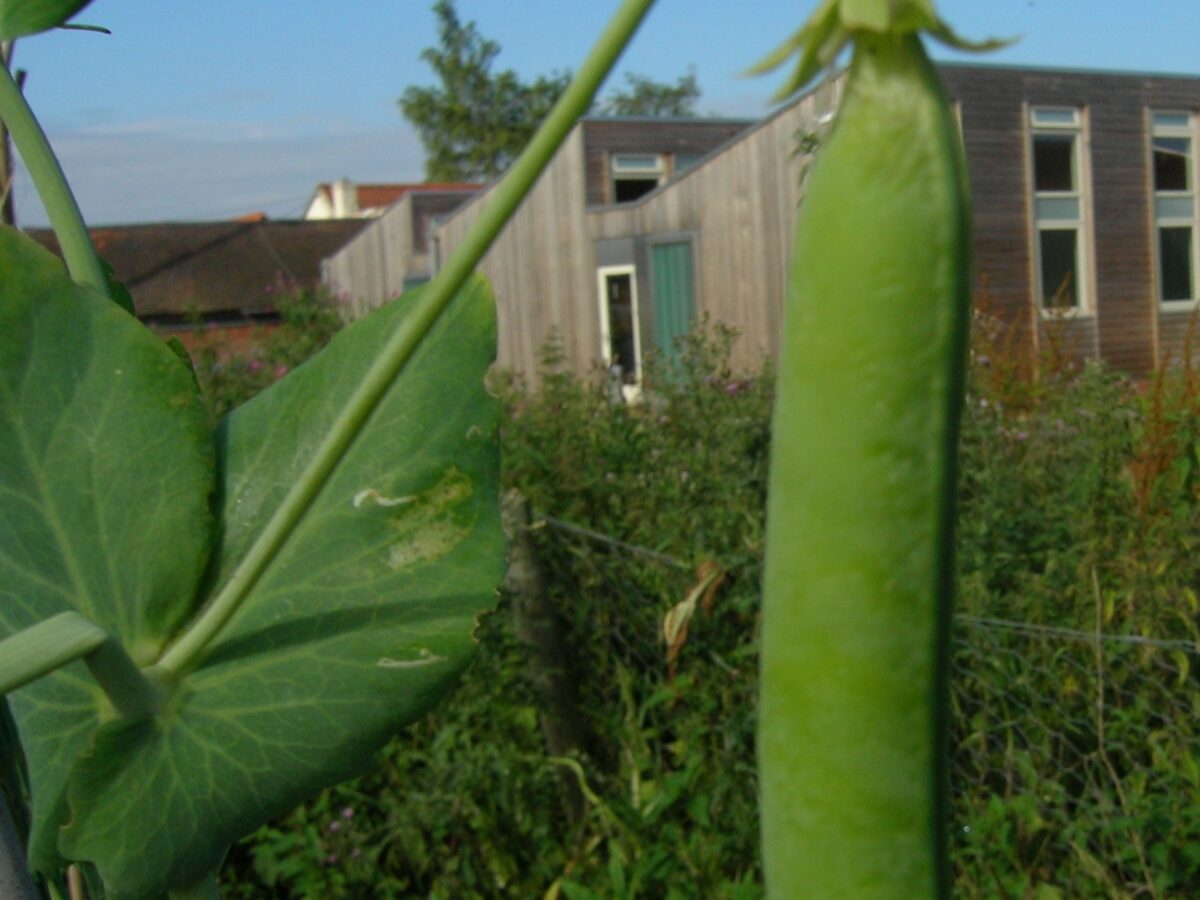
(280, 370)
(348, 813)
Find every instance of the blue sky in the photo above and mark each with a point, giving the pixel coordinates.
(198, 110)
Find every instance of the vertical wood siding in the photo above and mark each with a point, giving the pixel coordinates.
(1126, 327)
(371, 268)
(541, 267)
(394, 248)
(740, 204)
(669, 137)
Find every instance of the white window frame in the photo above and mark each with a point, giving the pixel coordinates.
(1063, 120)
(622, 169)
(630, 391)
(1162, 218)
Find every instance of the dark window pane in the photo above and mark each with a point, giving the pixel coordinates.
(627, 189)
(1059, 277)
(1175, 256)
(1172, 160)
(1054, 162)
(621, 325)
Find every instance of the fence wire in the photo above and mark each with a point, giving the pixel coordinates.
(1075, 755)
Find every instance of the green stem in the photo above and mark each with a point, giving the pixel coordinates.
(52, 186)
(507, 196)
(49, 645)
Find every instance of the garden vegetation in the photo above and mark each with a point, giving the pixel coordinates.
(1073, 760)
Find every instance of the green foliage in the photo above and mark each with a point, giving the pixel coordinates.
(643, 96)
(354, 538)
(468, 804)
(21, 17)
(229, 377)
(410, 514)
(73, 523)
(475, 122)
(326, 685)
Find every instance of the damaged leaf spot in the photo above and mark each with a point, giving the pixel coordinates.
(424, 658)
(432, 523)
(370, 495)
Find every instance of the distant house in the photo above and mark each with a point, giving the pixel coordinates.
(343, 199)
(218, 274)
(1085, 211)
(396, 251)
(545, 256)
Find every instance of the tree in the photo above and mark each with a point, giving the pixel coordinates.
(645, 97)
(475, 123)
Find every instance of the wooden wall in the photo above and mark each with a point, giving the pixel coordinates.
(541, 266)
(1126, 326)
(669, 137)
(740, 204)
(373, 267)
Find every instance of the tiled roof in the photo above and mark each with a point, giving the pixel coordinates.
(173, 269)
(371, 196)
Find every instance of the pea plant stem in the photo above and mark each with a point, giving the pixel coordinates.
(51, 184)
(62, 639)
(187, 652)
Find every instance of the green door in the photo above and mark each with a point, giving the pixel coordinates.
(674, 295)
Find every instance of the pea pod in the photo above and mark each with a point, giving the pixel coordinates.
(858, 582)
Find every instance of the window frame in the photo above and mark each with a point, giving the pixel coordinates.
(632, 390)
(1161, 220)
(1051, 120)
(618, 172)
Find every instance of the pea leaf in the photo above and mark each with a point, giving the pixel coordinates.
(106, 467)
(21, 17)
(363, 619)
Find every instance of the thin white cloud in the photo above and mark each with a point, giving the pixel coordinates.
(163, 171)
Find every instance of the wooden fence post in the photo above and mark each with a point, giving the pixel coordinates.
(540, 629)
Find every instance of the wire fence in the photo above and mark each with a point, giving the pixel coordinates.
(1075, 754)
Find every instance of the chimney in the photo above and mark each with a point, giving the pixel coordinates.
(345, 199)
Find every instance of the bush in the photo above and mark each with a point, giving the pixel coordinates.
(1074, 760)
(308, 319)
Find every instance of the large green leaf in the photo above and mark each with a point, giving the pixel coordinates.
(106, 468)
(20, 17)
(362, 620)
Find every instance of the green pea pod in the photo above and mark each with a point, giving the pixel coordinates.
(859, 568)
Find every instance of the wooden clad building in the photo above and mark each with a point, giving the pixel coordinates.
(393, 253)
(1085, 205)
(542, 266)
(1085, 211)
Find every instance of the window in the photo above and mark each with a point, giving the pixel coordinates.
(620, 340)
(1060, 244)
(636, 174)
(1173, 161)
